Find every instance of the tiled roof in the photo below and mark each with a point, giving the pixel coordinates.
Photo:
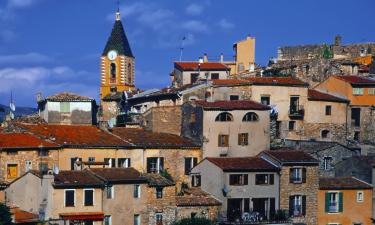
(286, 156)
(77, 178)
(200, 66)
(277, 81)
(339, 183)
(315, 95)
(72, 135)
(22, 216)
(232, 164)
(357, 80)
(142, 138)
(82, 216)
(68, 97)
(118, 41)
(230, 82)
(114, 175)
(23, 141)
(157, 180)
(232, 105)
(196, 197)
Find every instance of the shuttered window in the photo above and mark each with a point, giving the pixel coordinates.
(223, 140)
(89, 197)
(69, 198)
(190, 163)
(334, 202)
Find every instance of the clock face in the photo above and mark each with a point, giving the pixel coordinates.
(112, 55)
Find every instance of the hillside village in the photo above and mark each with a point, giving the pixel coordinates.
(291, 142)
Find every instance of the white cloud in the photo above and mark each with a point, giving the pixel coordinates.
(28, 58)
(194, 9)
(195, 25)
(225, 24)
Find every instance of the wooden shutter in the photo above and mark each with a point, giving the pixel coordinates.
(291, 208)
(219, 141)
(239, 139)
(326, 202)
(291, 175)
(303, 204)
(245, 179)
(272, 178)
(187, 165)
(341, 201)
(226, 140)
(303, 175)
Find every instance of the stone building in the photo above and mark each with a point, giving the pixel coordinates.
(227, 128)
(299, 183)
(68, 108)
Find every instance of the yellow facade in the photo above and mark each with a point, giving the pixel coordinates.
(244, 56)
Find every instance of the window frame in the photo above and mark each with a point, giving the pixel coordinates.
(268, 180)
(109, 221)
(159, 192)
(17, 170)
(327, 161)
(360, 199)
(93, 196)
(137, 218)
(137, 191)
(334, 193)
(224, 117)
(74, 198)
(250, 117)
(290, 122)
(190, 163)
(328, 110)
(371, 91)
(196, 180)
(243, 139)
(267, 99)
(112, 188)
(223, 140)
(297, 177)
(358, 91)
(243, 179)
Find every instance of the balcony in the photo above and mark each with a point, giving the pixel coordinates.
(280, 217)
(296, 112)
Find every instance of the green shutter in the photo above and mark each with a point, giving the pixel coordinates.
(327, 202)
(341, 201)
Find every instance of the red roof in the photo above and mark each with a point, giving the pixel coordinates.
(229, 82)
(83, 216)
(342, 183)
(232, 105)
(277, 81)
(23, 140)
(200, 66)
(315, 95)
(232, 164)
(21, 216)
(196, 197)
(357, 80)
(69, 135)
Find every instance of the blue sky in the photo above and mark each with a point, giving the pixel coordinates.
(51, 46)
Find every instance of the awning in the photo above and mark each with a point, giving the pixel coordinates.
(82, 216)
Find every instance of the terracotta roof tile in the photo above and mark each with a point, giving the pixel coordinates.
(142, 138)
(196, 197)
(286, 156)
(76, 178)
(339, 183)
(118, 174)
(232, 164)
(24, 141)
(157, 180)
(232, 105)
(66, 96)
(203, 66)
(277, 81)
(315, 95)
(357, 80)
(21, 216)
(229, 82)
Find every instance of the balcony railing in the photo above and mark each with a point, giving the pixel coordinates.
(296, 112)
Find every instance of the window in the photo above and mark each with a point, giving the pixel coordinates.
(214, 76)
(327, 163)
(190, 162)
(297, 175)
(297, 205)
(292, 125)
(265, 100)
(65, 107)
(111, 162)
(196, 180)
(43, 153)
(28, 165)
(137, 191)
(91, 159)
(262, 179)
(129, 73)
(356, 117)
(357, 91)
(43, 166)
(356, 136)
(113, 72)
(234, 97)
(360, 196)
(109, 190)
(70, 198)
(328, 110)
(250, 117)
(159, 218)
(224, 117)
(74, 163)
(371, 91)
(159, 192)
(123, 162)
(238, 179)
(194, 77)
(243, 139)
(223, 140)
(89, 197)
(155, 164)
(325, 134)
(107, 220)
(137, 220)
(12, 171)
(113, 89)
(333, 202)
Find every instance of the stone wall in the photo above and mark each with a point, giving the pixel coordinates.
(109, 110)
(75, 117)
(166, 206)
(209, 212)
(165, 119)
(309, 189)
(337, 132)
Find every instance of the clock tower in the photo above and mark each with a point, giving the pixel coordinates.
(117, 62)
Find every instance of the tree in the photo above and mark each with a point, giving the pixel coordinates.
(5, 215)
(194, 221)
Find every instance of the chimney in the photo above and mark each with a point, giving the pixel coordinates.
(205, 58)
(221, 57)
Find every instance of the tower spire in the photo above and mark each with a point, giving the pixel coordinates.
(118, 15)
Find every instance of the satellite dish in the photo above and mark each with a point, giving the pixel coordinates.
(56, 170)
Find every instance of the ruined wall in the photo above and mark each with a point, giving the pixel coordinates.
(166, 119)
(109, 110)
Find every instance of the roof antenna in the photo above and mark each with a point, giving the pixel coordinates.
(118, 15)
(182, 47)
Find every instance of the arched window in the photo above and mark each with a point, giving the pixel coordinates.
(325, 134)
(130, 73)
(113, 71)
(250, 116)
(224, 117)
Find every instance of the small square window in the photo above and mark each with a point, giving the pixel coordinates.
(265, 100)
(360, 196)
(371, 91)
(234, 97)
(223, 140)
(357, 91)
(214, 76)
(328, 110)
(159, 192)
(137, 191)
(89, 197)
(69, 198)
(243, 139)
(109, 192)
